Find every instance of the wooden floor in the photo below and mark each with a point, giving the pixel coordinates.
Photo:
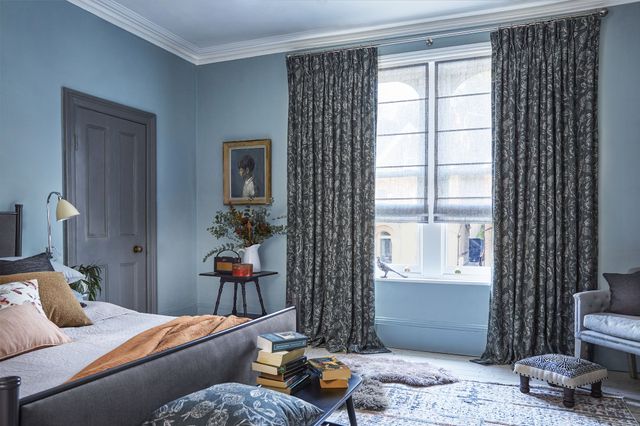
(618, 383)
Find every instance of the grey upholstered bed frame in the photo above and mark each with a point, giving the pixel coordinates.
(128, 394)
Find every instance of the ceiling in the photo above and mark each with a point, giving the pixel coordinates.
(206, 23)
(205, 31)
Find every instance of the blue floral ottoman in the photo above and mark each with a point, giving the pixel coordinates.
(562, 370)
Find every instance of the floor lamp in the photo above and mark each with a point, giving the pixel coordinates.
(64, 211)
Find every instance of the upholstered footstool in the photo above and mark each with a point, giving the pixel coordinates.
(565, 371)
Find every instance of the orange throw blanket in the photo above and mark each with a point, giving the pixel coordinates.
(157, 339)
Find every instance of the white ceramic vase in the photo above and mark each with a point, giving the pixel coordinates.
(251, 255)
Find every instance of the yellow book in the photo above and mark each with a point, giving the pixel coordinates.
(330, 368)
(278, 359)
(293, 388)
(334, 384)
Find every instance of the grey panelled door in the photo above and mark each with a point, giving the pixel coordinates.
(110, 184)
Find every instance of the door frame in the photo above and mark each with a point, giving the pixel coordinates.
(71, 101)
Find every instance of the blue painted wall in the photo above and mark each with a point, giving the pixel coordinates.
(45, 45)
(238, 100)
(50, 44)
(619, 185)
(247, 99)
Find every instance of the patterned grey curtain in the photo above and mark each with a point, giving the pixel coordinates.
(545, 81)
(331, 210)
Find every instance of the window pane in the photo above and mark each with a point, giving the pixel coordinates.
(401, 150)
(401, 117)
(464, 77)
(469, 244)
(401, 182)
(464, 181)
(399, 242)
(466, 112)
(464, 146)
(401, 84)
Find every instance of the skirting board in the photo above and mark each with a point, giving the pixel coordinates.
(432, 336)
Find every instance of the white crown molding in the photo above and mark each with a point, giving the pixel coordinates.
(123, 17)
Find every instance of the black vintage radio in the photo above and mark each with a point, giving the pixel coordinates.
(224, 264)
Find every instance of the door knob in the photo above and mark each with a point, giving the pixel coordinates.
(137, 249)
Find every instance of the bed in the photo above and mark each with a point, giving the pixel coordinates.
(34, 388)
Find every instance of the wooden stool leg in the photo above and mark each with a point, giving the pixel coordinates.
(596, 390)
(220, 287)
(264, 312)
(524, 384)
(244, 299)
(569, 398)
(633, 370)
(235, 295)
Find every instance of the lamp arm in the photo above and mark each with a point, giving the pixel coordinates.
(49, 250)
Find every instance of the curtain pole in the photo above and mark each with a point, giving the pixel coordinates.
(428, 39)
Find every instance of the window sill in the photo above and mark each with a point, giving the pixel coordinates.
(442, 279)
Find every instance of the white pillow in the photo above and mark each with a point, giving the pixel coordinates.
(19, 293)
(70, 274)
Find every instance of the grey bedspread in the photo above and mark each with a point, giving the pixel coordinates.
(49, 367)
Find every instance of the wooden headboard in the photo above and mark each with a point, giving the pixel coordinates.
(11, 232)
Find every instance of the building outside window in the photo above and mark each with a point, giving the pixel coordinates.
(434, 162)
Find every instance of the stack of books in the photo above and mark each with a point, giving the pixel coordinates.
(281, 362)
(332, 372)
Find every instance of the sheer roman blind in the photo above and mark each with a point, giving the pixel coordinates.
(401, 148)
(454, 180)
(463, 141)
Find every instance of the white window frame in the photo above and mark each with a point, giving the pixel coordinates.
(434, 268)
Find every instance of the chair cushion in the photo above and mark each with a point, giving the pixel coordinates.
(563, 370)
(623, 326)
(625, 293)
(235, 404)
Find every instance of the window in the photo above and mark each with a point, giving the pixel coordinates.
(434, 162)
(385, 247)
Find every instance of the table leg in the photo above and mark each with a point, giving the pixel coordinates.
(244, 299)
(220, 287)
(351, 412)
(264, 311)
(235, 293)
(569, 398)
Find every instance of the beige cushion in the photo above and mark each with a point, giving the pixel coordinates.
(24, 329)
(19, 293)
(56, 296)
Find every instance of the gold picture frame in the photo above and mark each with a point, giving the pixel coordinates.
(246, 169)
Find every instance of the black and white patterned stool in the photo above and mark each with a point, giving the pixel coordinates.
(565, 371)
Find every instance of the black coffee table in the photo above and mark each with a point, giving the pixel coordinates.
(329, 400)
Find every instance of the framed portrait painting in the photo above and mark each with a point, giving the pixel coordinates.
(247, 172)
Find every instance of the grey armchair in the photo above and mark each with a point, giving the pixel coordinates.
(594, 325)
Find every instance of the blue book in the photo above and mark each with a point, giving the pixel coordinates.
(283, 341)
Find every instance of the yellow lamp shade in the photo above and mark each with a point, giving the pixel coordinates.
(65, 210)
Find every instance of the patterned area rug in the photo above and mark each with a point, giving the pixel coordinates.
(469, 403)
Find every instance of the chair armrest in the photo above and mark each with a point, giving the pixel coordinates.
(589, 302)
